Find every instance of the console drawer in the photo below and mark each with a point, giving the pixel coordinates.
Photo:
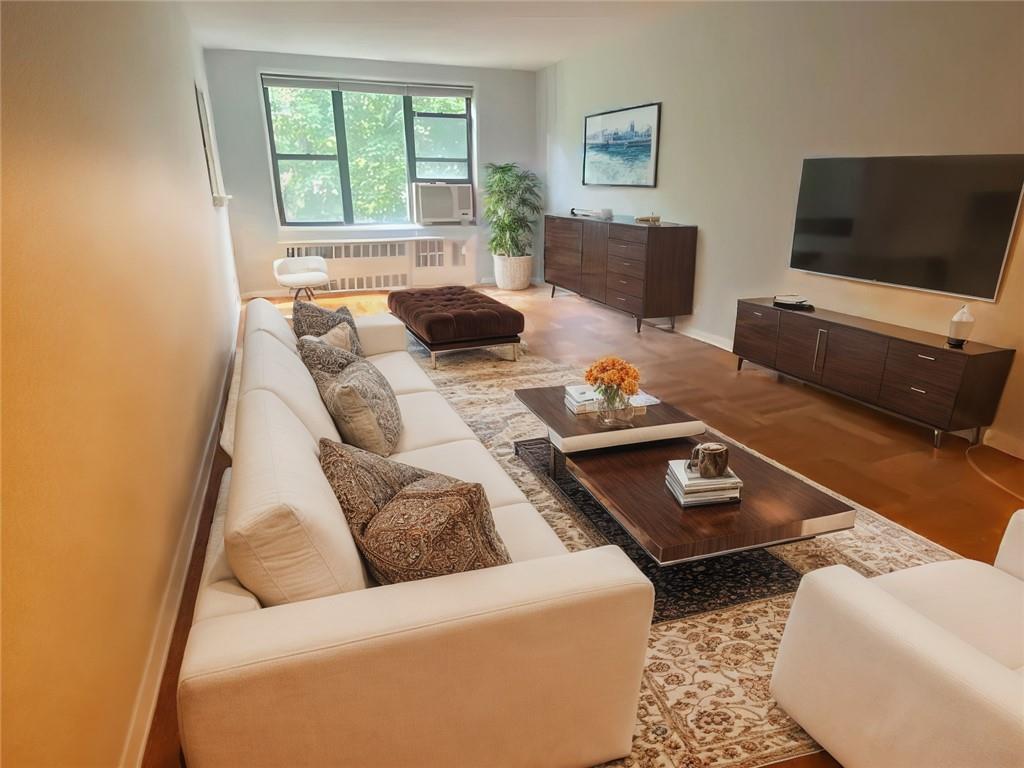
(623, 266)
(627, 284)
(930, 368)
(628, 251)
(626, 232)
(620, 300)
(932, 406)
(757, 333)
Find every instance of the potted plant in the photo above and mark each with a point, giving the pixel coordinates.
(511, 206)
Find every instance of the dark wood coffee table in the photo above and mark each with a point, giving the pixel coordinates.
(628, 481)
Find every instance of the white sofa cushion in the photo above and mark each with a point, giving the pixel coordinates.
(261, 315)
(467, 460)
(402, 372)
(268, 364)
(981, 605)
(526, 534)
(428, 420)
(285, 535)
(381, 333)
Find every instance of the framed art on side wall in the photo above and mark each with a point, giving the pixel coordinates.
(620, 147)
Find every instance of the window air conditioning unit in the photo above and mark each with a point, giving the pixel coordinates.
(440, 203)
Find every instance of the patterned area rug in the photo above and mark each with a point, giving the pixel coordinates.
(704, 698)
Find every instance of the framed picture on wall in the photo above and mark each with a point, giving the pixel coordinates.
(620, 147)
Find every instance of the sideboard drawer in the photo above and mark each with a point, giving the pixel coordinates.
(623, 266)
(931, 368)
(757, 333)
(932, 406)
(628, 251)
(627, 284)
(624, 301)
(626, 232)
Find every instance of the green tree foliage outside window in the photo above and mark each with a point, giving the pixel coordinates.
(373, 156)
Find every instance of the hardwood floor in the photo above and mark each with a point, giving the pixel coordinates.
(877, 460)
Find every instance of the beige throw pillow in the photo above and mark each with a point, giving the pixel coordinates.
(339, 337)
(409, 523)
(363, 406)
(312, 320)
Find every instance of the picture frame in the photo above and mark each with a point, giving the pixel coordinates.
(621, 146)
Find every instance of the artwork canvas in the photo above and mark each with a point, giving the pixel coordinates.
(620, 147)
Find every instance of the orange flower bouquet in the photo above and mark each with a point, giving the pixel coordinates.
(615, 381)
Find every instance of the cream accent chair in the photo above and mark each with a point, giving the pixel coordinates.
(295, 658)
(920, 667)
(301, 274)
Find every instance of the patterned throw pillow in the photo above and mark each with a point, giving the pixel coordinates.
(363, 406)
(408, 523)
(312, 320)
(322, 357)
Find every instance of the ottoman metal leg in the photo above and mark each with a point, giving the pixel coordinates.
(433, 360)
(515, 353)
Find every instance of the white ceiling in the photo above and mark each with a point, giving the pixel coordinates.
(509, 35)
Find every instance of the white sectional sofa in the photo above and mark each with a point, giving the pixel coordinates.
(296, 659)
(920, 667)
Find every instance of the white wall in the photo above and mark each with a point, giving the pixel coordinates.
(505, 124)
(120, 312)
(749, 90)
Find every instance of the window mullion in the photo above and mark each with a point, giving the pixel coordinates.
(339, 136)
(273, 158)
(410, 145)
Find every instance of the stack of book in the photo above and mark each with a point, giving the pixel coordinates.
(691, 490)
(581, 398)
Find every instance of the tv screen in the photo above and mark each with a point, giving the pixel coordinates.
(936, 223)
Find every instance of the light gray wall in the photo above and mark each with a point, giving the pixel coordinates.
(750, 90)
(505, 123)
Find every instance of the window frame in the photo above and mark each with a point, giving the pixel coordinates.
(411, 158)
(410, 144)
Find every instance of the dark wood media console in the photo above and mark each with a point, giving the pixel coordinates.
(643, 269)
(913, 374)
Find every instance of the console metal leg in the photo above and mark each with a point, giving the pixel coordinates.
(937, 438)
(556, 461)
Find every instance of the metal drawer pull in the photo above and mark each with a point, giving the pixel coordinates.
(919, 391)
(817, 348)
(627, 264)
(620, 298)
(759, 314)
(925, 357)
(623, 282)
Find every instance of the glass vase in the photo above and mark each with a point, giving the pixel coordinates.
(614, 409)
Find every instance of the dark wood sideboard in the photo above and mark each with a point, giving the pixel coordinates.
(642, 269)
(913, 374)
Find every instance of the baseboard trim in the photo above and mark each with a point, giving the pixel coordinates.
(1005, 442)
(708, 338)
(135, 747)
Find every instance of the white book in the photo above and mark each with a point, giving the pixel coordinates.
(690, 493)
(690, 479)
(687, 500)
(581, 408)
(581, 393)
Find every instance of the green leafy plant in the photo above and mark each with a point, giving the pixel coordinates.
(512, 204)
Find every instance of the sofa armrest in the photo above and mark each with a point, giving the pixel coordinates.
(533, 663)
(381, 333)
(879, 685)
(1011, 549)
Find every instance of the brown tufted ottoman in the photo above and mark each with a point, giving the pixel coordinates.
(456, 317)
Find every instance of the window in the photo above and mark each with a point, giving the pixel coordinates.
(345, 152)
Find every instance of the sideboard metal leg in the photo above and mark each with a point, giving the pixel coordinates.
(672, 322)
(639, 322)
(976, 439)
(937, 438)
(739, 363)
(552, 291)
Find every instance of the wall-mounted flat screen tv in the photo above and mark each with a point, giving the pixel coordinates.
(934, 223)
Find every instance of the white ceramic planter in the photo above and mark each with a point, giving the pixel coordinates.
(513, 273)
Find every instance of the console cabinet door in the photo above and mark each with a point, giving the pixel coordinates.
(854, 363)
(803, 345)
(757, 333)
(595, 260)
